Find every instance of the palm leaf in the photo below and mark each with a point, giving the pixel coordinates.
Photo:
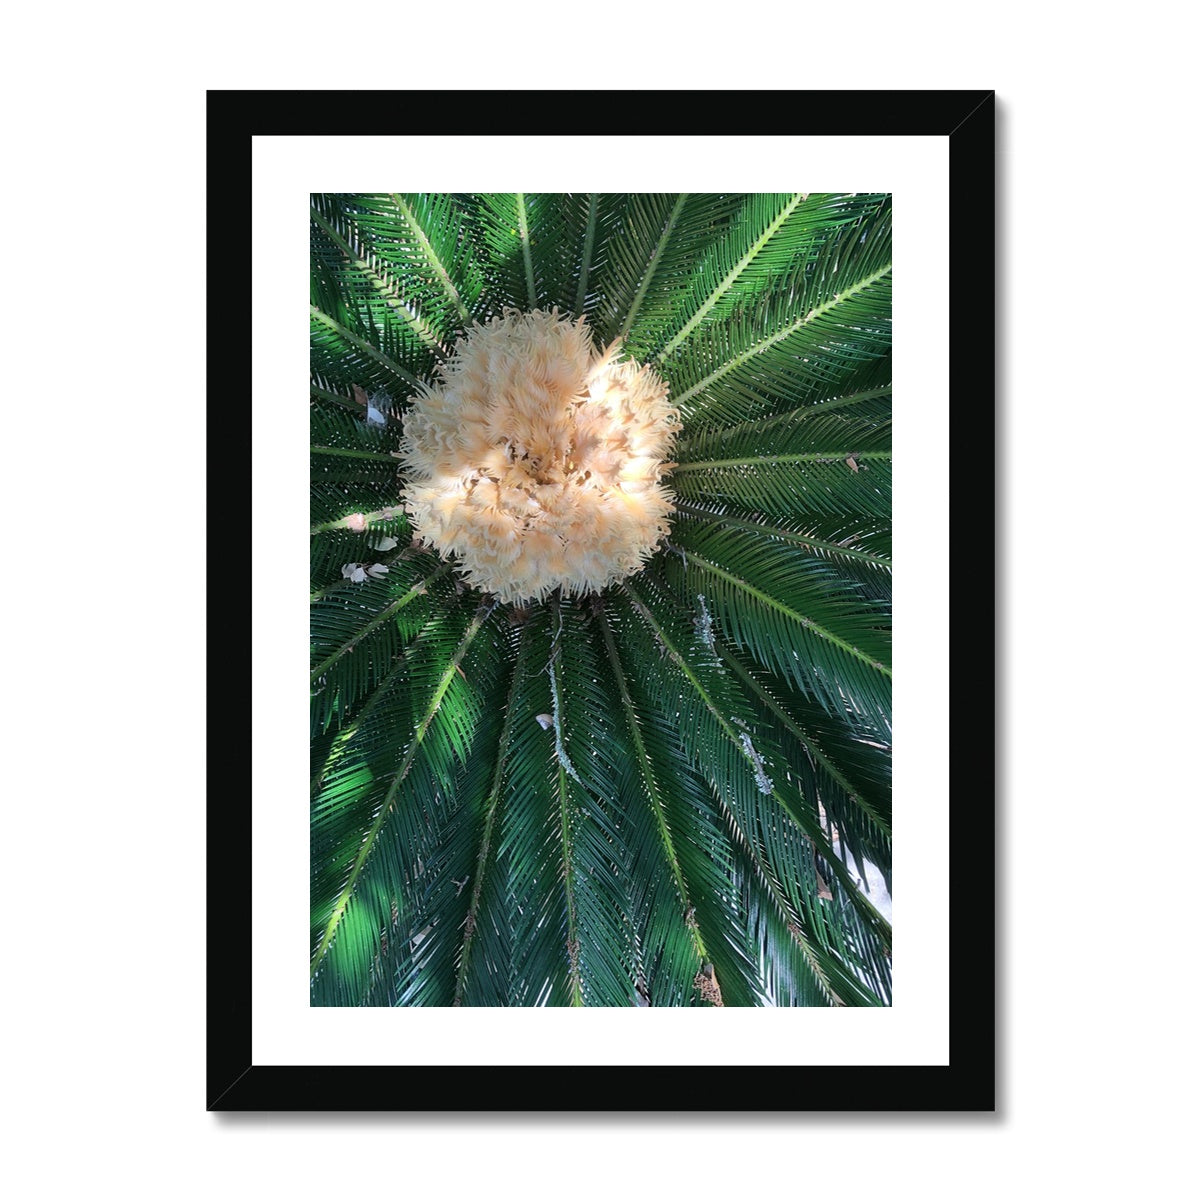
(738, 759)
(379, 820)
(418, 241)
(795, 615)
(831, 320)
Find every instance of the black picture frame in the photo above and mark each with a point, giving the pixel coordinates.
(968, 1083)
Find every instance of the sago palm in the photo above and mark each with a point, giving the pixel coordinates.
(601, 687)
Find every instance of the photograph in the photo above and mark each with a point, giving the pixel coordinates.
(601, 566)
(699, 573)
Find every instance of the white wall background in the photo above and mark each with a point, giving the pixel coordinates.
(103, 821)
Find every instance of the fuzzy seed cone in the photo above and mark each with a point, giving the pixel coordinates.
(536, 459)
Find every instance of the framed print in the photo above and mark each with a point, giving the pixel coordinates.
(607, 723)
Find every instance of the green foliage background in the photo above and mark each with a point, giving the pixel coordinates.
(691, 817)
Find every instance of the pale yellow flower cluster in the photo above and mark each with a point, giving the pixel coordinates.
(536, 459)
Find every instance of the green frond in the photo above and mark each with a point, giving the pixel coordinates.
(591, 765)
(423, 969)
(564, 243)
(809, 435)
(531, 852)
(796, 615)
(379, 815)
(767, 249)
(831, 322)
(843, 781)
(794, 484)
(481, 972)
(739, 759)
(668, 943)
(587, 258)
(864, 393)
(859, 549)
(358, 630)
(420, 241)
(339, 428)
(346, 350)
(353, 491)
(531, 247)
(350, 279)
(652, 252)
(689, 830)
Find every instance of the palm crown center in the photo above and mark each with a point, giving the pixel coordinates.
(536, 459)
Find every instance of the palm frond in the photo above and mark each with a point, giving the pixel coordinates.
(768, 246)
(349, 350)
(859, 549)
(378, 817)
(844, 781)
(420, 241)
(865, 393)
(798, 484)
(591, 770)
(352, 279)
(797, 616)
(358, 631)
(738, 759)
(652, 252)
(422, 968)
(668, 944)
(531, 852)
(531, 247)
(691, 828)
(482, 975)
(833, 320)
